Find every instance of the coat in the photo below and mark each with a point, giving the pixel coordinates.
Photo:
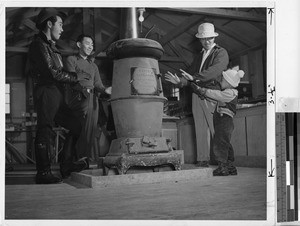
(45, 62)
(211, 72)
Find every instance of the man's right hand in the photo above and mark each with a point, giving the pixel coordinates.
(173, 78)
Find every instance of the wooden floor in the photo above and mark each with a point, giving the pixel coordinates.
(241, 197)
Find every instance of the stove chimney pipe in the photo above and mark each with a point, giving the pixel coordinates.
(129, 26)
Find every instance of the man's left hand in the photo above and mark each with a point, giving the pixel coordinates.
(186, 75)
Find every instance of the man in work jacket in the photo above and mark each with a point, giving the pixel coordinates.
(206, 71)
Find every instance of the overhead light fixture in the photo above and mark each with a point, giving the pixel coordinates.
(141, 12)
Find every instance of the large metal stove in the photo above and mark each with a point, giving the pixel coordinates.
(137, 102)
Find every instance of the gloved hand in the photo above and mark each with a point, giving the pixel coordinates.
(198, 90)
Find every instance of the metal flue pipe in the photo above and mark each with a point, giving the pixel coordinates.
(129, 26)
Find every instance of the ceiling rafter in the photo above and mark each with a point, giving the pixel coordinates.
(181, 28)
(234, 36)
(245, 51)
(86, 21)
(25, 50)
(174, 21)
(178, 50)
(165, 67)
(170, 59)
(224, 13)
(106, 44)
(30, 24)
(98, 30)
(259, 26)
(160, 32)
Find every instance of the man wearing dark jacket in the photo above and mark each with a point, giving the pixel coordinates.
(205, 71)
(49, 77)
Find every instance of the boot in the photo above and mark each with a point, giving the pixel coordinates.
(231, 168)
(222, 170)
(66, 164)
(44, 175)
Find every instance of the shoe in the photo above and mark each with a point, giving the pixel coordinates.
(81, 164)
(222, 170)
(47, 177)
(231, 168)
(202, 164)
(65, 172)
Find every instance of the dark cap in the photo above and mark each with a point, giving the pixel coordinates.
(46, 13)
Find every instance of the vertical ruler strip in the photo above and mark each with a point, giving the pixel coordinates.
(281, 167)
(290, 167)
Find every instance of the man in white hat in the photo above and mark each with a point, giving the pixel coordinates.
(226, 99)
(206, 70)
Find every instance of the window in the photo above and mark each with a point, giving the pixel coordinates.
(176, 93)
(7, 98)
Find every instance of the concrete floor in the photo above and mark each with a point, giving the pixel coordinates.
(241, 197)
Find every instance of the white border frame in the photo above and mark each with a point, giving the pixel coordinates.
(271, 181)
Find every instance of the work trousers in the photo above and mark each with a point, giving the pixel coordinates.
(222, 148)
(86, 108)
(51, 111)
(203, 118)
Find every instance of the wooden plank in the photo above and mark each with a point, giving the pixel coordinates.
(257, 135)
(164, 68)
(238, 138)
(87, 25)
(234, 35)
(181, 28)
(259, 26)
(256, 72)
(97, 29)
(246, 51)
(25, 50)
(148, 24)
(224, 13)
(179, 52)
(16, 49)
(173, 19)
(170, 59)
(29, 23)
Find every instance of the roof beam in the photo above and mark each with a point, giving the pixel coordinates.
(181, 28)
(25, 50)
(243, 52)
(224, 13)
(97, 29)
(30, 24)
(170, 59)
(179, 52)
(105, 45)
(16, 49)
(259, 26)
(234, 36)
(148, 24)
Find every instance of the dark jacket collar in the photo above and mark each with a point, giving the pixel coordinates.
(51, 43)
